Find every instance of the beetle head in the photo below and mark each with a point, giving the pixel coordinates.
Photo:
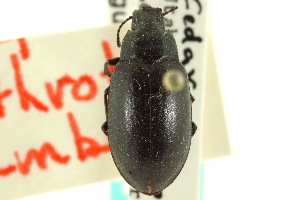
(147, 17)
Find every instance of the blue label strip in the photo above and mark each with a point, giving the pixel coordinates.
(116, 187)
(116, 191)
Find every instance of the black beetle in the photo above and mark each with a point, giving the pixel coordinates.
(148, 105)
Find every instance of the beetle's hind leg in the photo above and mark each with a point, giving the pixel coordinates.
(104, 126)
(110, 62)
(194, 126)
(192, 98)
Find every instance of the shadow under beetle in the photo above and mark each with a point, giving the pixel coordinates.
(148, 105)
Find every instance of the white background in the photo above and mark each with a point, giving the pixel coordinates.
(257, 46)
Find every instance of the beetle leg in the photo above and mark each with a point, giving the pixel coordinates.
(104, 126)
(192, 98)
(106, 70)
(111, 62)
(194, 128)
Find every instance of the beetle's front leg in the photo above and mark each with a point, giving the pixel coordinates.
(110, 62)
(104, 126)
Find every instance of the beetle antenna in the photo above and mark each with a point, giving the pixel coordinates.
(170, 10)
(118, 34)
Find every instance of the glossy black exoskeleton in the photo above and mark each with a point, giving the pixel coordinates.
(148, 105)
